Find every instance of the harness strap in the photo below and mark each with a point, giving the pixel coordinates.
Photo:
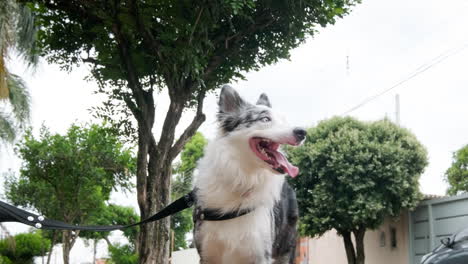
(216, 215)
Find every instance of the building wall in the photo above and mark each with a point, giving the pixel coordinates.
(435, 219)
(329, 248)
(186, 256)
(302, 254)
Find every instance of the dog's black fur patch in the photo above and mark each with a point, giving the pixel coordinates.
(286, 215)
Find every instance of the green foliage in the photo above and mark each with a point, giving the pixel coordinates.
(188, 35)
(182, 222)
(187, 46)
(15, 110)
(189, 157)
(22, 248)
(353, 174)
(124, 254)
(5, 260)
(457, 174)
(17, 33)
(69, 177)
(113, 215)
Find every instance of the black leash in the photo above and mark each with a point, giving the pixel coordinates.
(10, 213)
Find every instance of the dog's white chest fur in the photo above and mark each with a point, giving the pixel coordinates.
(227, 182)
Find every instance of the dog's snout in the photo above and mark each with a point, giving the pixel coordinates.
(299, 133)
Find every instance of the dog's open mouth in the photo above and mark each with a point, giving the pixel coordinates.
(267, 150)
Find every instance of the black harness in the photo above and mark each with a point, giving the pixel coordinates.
(10, 213)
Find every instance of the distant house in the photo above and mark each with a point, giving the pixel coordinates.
(403, 240)
(386, 245)
(100, 261)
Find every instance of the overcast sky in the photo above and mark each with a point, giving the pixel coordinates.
(378, 45)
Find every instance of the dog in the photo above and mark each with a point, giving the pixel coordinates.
(245, 212)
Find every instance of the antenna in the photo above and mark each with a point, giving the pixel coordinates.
(347, 63)
(397, 109)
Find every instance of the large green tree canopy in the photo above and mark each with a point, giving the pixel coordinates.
(170, 41)
(354, 174)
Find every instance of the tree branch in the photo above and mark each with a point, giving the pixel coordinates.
(173, 116)
(195, 26)
(235, 39)
(148, 38)
(99, 63)
(144, 100)
(126, 57)
(191, 129)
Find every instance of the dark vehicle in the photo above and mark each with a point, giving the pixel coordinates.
(453, 250)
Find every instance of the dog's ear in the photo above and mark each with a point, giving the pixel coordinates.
(263, 100)
(229, 100)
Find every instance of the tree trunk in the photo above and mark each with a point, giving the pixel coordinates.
(94, 250)
(349, 247)
(52, 244)
(154, 240)
(154, 173)
(66, 246)
(360, 255)
(154, 160)
(109, 244)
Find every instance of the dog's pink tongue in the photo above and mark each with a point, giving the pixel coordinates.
(288, 167)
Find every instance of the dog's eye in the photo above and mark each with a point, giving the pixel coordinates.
(265, 119)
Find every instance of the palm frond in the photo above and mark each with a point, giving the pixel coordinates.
(4, 91)
(7, 128)
(19, 98)
(8, 10)
(26, 37)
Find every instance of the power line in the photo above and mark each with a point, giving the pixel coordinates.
(424, 67)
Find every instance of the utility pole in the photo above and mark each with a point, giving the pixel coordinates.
(397, 109)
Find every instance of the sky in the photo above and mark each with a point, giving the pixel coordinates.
(381, 43)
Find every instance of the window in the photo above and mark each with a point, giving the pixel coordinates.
(393, 237)
(382, 239)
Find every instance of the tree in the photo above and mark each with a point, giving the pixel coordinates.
(70, 177)
(138, 48)
(112, 215)
(353, 175)
(457, 174)
(182, 222)
(22, 248)
(123, 254)
(17, 33)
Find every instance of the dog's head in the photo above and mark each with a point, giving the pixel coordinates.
(257, 131)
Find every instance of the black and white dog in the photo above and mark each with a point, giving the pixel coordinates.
(245, 212)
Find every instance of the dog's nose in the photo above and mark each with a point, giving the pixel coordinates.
(299, 133)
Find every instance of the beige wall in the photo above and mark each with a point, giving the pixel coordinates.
(186, 256)
(329, 249)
